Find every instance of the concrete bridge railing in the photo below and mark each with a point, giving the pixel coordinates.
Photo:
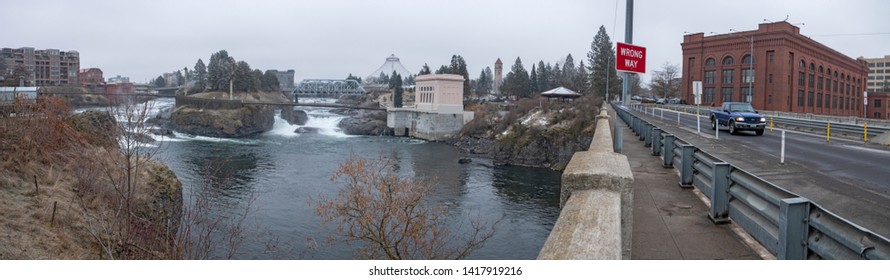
(597, 203)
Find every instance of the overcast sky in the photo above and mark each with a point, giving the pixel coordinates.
(332, 38)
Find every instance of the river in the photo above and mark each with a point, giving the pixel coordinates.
(273, 177)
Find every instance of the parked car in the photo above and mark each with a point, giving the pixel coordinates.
(738, 116)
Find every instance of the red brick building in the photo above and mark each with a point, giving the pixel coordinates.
(92, 80)
(120, 88)
(878, 105)
(791, 72)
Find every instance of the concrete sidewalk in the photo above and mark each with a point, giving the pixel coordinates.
(671, 223)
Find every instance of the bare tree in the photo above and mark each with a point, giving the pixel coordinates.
(389, 217)
(665, 83)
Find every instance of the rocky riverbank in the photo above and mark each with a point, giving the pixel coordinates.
(64, 181)
(533, 133)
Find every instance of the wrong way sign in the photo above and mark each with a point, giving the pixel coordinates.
(630, 58)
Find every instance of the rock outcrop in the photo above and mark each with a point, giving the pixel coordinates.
(227, 123)
(366, 123)
(528, 135)
(294, 117)
(362, 122)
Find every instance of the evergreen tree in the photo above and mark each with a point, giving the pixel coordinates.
(582, 79)
(354, 78)
(256, 80)
(425, 70)
(160, 82)
(243, 78)
(270, 81)
(200, 76)
(555, 76)
(443, 70)
(394, 79)
(490, 79)
(397, 90)
(568, 73)
(483, 83)
(383, 78)
(517, 83)
(602, 65)
(533, 78)
(459, 67)
(180, 80)
(220, 71)
(542, 77)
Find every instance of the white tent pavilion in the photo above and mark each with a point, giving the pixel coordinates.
(561, 93)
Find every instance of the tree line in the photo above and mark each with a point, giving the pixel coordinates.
(222, 71)
(595, 77)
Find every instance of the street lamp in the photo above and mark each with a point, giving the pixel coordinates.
(751, 69)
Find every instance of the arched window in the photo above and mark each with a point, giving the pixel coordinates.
(829, 72)
(727, 60)
(820, 69)
(835, 74)
(746, 59)
(710, 62)
(842, 76)
(802, 64)
(812, 66)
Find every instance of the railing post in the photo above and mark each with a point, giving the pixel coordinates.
(645, 135)
(617, 141)
(636, 125)
(793, 228)
(719, 212)
(686, 170)
(656, 141)
(668, 155)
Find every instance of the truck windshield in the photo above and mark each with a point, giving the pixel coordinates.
(741, 108)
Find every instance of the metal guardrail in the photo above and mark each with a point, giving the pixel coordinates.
(848, 125)
(787, 225)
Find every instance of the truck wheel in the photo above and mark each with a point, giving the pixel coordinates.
(759, 132)
(713, 124)
(732, 127)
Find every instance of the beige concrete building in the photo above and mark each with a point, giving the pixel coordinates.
(878, 74)
(438, 110)
(441, 93)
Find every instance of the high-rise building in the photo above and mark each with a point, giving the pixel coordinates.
(878, 74)
(786, 72)
(498, 75)
(49, 67)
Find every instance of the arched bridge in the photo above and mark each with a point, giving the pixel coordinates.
(328, 88)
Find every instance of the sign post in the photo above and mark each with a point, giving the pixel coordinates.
(696, 91)
(865, 103)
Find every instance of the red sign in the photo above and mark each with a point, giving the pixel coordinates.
(630, 58)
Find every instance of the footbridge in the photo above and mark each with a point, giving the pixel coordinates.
(207, 103)
(328, 88)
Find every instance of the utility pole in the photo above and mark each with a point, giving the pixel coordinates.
(186, 92)
(628, 38)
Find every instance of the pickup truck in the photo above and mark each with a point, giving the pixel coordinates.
(738, 116)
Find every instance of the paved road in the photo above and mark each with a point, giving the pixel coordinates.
(847, 177)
